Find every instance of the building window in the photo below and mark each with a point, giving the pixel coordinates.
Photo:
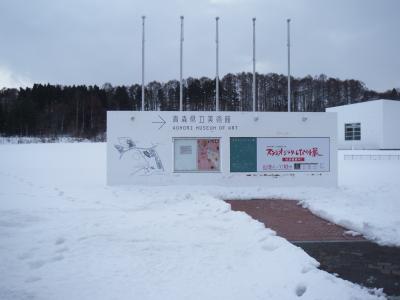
(196, 154)
(352, 132)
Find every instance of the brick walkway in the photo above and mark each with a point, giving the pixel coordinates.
(292, 221)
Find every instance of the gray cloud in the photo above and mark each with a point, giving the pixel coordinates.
(92, 42)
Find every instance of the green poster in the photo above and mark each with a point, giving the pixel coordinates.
(243, 154)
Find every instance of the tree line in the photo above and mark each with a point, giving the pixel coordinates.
(46, 110)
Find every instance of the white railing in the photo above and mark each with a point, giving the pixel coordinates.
(372, 157)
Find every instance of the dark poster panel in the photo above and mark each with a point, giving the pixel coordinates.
(243, 152)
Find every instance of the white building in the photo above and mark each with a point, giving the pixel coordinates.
(368, 125)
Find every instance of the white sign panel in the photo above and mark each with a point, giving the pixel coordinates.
(297, 154)
(221, 148)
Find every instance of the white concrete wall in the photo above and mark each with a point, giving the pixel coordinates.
(391, 125)
(157, 129)
(369, 114)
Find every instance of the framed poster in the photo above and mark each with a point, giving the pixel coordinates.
(297, 154)
(185, 154)
(197, 155)
(208, 155)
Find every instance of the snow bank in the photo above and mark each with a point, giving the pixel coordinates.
(367, 199)
(65, 235)
(37, 140)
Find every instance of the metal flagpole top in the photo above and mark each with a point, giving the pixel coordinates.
(182, 18)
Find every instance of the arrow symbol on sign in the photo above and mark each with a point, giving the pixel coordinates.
(162, 122)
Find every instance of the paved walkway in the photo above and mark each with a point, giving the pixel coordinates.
(292, 221)
(353, 258)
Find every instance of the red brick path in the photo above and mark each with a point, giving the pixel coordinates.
(292, 221)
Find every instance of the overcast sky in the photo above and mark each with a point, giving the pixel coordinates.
(93, 42)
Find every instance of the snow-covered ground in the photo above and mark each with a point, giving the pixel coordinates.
(64, 234)
(36, 140)
(367, 200)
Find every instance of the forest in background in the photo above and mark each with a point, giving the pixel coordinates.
(46, 110)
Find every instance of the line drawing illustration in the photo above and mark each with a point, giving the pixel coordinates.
(146, 160)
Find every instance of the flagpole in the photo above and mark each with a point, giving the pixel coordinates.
(254, 64)
(288, 54)
(180, 76)
(217, 65)
(143, 18)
